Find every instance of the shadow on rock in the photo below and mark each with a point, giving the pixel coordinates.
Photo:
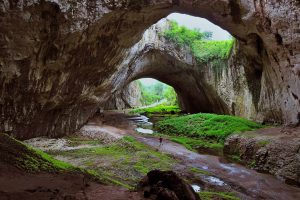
(166, 185)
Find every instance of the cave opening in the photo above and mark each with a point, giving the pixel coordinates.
(190, 54)
(61, 61)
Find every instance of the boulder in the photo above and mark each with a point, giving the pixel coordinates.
(166, 185)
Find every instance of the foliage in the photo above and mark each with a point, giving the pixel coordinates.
(170, 95)
(161, 109)
(205, 50)
(157, 92)
(205, 126)
(183, 36)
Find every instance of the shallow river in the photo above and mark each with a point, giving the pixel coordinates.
(233, 176)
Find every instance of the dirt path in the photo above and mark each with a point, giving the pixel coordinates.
(253, 184)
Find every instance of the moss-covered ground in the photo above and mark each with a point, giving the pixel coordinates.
(123, 162)
(203, 130)
(28, 159)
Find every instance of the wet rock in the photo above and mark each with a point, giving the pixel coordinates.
(166, 185)
(274, 154)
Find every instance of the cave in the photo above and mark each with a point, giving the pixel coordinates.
(81, 52)
(60, 61)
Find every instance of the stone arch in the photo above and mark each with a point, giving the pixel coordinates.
(60, 60)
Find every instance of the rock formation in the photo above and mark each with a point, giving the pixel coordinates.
(128, 97)
(274, 151)
(61, 60)
(166, 185)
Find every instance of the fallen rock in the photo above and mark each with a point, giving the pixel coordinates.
(166, 185)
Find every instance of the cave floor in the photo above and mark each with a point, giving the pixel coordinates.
(16, 185)
(210, 172)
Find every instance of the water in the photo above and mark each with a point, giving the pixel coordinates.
(215, 181)
(144, 126)
(144, 131)
(196, 188)
(141, 121)
(251, 183)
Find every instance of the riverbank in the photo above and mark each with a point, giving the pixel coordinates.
(211, 173)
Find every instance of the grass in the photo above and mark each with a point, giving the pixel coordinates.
(123, 162)
(161, 109)
(208, 195)
(203, 131)
(205, 126)
(192, 143)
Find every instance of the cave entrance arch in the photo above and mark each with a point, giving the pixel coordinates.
(79, 51)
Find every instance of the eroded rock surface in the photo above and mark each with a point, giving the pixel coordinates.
(128, 97)
(274, 151)
(61, 60)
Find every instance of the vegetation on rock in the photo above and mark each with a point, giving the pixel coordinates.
(202, 47)
(24, 157)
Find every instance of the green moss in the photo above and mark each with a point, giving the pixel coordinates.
(27, 158)
(194, 143)
(205, 126)
(208, 195)
(204, 132)
(123, 162)
(157, 109)
(31, 160)
(199, 171)
(263, 143)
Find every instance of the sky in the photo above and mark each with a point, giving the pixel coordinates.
(200, 23)
(194, 22)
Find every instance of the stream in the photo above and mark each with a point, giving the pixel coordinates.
(221, 173)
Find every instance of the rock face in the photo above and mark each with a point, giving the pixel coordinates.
(128, 97)
(61, 60)
(166, 185)
(274, 151)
